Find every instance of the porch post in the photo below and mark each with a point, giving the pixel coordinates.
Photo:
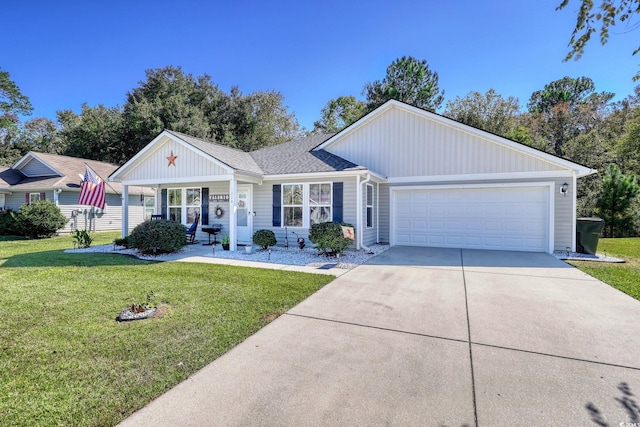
(125, 210)
(358, 211)
(233, 195)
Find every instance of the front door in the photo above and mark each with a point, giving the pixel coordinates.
(244, 215)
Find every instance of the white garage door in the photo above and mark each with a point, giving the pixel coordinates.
(502, 218)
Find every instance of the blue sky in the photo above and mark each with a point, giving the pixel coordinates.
(62, 54)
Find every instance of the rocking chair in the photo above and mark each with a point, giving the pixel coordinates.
(191, 232)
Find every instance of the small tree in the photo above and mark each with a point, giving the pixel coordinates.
(41, 219)
(615, 200)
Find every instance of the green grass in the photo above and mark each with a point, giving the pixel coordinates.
(624, 277)
(65, 361)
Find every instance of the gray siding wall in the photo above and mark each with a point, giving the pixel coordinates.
(384, 213)
(400, 144)
(83, 217)
(262, 202)
(36, 168)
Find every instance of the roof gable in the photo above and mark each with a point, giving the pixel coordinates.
(398, 140)
(194, 158)
(31, 165)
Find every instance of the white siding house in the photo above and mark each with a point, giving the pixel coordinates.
(400, 175)
(43, 176)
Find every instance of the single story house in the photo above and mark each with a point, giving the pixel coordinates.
(400, 175)
(42, 176)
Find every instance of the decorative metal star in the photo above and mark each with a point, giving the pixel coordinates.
(172, 159)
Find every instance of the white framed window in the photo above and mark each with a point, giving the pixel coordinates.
(193, 203)
(369, 205)
(319, 203)
(34, 197)
(149, 203)
(292, 205)
(306, 204)
(175, 204)
(184, 204)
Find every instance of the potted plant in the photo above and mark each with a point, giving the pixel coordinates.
(225, 243)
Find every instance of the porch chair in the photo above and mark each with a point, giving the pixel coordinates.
(191, 232)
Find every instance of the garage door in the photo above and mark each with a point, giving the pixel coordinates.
(502, 218)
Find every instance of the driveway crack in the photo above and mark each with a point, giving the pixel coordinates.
(466, 307)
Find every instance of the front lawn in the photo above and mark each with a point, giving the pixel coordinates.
(625, 277)
(64, 360)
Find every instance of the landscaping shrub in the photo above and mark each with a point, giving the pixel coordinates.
(328, 238)
(264, 238)
(9, 225)
(122, 242)
(40, 219)
(82, 238)
(158, 237)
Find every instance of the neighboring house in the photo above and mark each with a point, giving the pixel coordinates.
(41, 176)
(400, 175)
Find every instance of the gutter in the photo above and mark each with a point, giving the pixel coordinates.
(360, 234)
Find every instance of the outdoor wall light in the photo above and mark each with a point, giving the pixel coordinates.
(563, 189)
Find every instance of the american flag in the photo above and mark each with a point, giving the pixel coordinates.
(92, 191)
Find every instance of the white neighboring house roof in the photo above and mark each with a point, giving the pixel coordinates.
(577, 169)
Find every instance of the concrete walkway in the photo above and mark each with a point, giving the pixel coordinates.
(430, 337)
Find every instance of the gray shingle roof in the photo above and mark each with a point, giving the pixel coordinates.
(71, 168)
(296, 157)
(236, 159)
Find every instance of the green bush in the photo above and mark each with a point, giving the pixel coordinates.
(328, 238)
(158, 237)
(82, 238)
(122, 242)
(9, 225)
(264, 238)
(40, 219)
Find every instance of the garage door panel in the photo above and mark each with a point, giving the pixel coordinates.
(512, 218)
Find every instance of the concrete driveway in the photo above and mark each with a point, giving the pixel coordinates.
(437, 337)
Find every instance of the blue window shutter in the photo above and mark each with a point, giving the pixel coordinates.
(338, 190)
(163, 201)
(277, 205)
(205, 207)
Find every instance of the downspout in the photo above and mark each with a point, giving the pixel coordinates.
(360, 234)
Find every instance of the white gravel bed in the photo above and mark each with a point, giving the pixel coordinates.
(278, 255)
(295, 256)
(575, 256)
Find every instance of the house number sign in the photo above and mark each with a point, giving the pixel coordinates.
(218, 197)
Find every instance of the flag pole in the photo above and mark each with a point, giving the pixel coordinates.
(103, 180)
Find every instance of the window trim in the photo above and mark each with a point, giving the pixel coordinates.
(183, 206)
(31, 195)
(306, 205)
(369, 204)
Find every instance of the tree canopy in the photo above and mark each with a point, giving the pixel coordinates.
(607, 15)
(408, 80)
(489, 111)
(339, 113)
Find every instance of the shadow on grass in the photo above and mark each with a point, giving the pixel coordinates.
(58, 258)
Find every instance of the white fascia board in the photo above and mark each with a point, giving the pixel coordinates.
(150, 149)
(557, 161)
(480, 177)
(5, 191)
(324, 175)
(182, 180)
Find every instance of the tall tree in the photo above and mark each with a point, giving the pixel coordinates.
(40, 134)
(96, 133)
(614, 203)
(490, 112)
(566, 108)
(12, 101)
(408, 80)
(609, 13)
(339, 113)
